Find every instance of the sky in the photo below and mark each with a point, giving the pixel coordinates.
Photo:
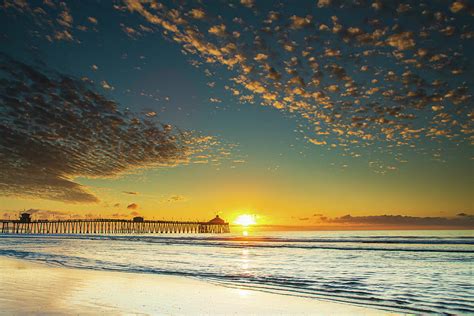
(315, 113)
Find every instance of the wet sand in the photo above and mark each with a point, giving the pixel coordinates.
(33, 288)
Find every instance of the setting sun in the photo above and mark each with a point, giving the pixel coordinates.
(245, 220)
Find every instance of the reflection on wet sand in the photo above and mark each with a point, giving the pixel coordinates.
(30, 288)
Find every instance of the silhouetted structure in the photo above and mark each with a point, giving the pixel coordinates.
(137, 225)
(25, 218)
(217, 220)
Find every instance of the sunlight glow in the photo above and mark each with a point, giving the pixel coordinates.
(243, 293)
(245, 220)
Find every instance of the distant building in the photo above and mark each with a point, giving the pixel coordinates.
(25, 218)
(216, 220)
(138, 219)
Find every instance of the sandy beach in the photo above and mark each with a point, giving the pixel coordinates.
(33, 288)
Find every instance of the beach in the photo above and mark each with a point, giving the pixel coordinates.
(35, 288)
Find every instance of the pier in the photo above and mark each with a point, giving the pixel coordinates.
(111, 226)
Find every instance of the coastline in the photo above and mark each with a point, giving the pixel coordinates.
(36, 288)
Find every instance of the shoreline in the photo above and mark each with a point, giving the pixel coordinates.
(38, 288)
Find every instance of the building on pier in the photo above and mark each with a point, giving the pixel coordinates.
(25, 218)
(217, 220)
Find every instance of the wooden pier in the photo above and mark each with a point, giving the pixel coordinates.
(111, 226)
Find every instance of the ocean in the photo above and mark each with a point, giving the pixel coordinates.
(401, 271)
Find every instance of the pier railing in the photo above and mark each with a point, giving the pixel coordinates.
(110, 226)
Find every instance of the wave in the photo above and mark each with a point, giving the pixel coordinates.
(351, 244)
(422, 240)
(345, 291)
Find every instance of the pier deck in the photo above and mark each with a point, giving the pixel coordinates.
(110, 226)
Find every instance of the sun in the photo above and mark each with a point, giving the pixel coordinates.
(245, 220)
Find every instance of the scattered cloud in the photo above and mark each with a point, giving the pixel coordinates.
(55, 19)
(176, 198)
(119, 215)
(132, 206)
(92, 20)
(215, 100)
(248, 3)
(359, 85)
(39, 214)
(106, 85)
(356, 83)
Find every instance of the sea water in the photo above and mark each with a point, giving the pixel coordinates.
(407, 271)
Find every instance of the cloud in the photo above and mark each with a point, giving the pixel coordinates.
(56, 19)
(215, 100)
(63, 35)
(318, 69)
(92, 20)
(466, 221)
(130, 192)
(217, 30)
(300, 22)
(324, 3)
(402, 41)
(56, 128)
(197, 14)
(134, 213)
(41, 214)
(132, 206)
(176, 198)
(119, 215)
(248, 3)
(106, 85)
(65, 18)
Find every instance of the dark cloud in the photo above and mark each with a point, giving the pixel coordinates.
(130, 192)
(55, 128)
(132, 206)
(466, 221)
